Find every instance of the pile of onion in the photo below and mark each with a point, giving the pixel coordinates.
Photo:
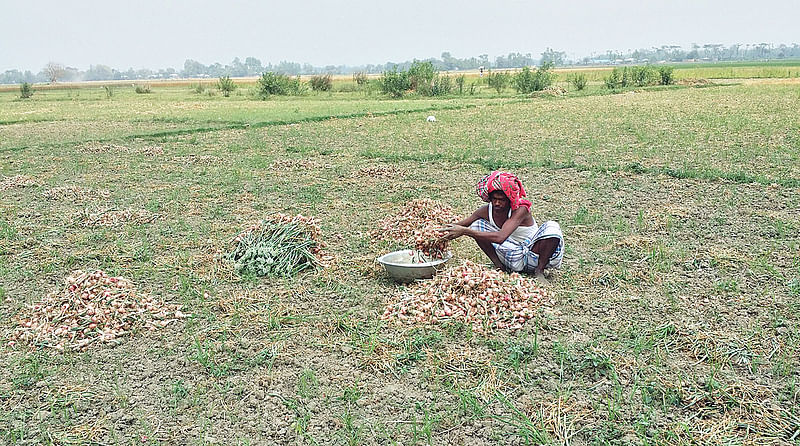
(18, 181)
(92, 308)
(75, 193)
(417, 224)
(111, 217)
(470, 293)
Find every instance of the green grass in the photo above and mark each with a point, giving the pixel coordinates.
(674, 319)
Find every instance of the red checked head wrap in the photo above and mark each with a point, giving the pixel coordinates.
(507, 183)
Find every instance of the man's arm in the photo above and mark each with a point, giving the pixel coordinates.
(500, 236)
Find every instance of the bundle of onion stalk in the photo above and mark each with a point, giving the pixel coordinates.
(416, 225)
(280, 245)
(91, 308)
(469, 293)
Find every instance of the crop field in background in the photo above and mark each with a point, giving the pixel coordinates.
(675, 318)
(699, 70)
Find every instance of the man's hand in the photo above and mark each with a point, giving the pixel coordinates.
(453, 231)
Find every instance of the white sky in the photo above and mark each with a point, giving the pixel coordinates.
(160, 34)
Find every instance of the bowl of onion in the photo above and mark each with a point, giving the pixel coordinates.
(408, 265)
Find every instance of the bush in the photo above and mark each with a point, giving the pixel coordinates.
(142, 88)
(614, 80)
(527, 81)
(226, 85)
(636, 76)
(321, 82)
(498, 80)
(25, 90)
(109, 90)
(643, 76)
(394, 82)
(199, 88)
(420, 75)
(577, 80)
(460, 83)
(279, 84)
(666, 75)
(442, 85)
(360, 78)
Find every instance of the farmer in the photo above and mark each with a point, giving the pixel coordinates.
(506, 231)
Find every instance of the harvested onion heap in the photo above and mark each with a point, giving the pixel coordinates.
(18, 181)
(91, 308)
(115, 148)
(280, 245)
(116, 217)
(75, 193)
(472, 294)
(378, 172)
(194, 159)
(417, 225)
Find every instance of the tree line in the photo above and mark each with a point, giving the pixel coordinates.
(251, 66)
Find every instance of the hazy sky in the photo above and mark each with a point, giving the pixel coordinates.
(160, 34)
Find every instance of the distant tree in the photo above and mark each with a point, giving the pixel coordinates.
(98, 73)
(237, 68)
(12, 77)
(286, 67)
(193, 68)
(54, 71)
(253, 66)
(554, 57)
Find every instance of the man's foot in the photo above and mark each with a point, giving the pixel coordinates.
(539, 277)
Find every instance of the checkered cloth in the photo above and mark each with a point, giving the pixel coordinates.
(519, 257)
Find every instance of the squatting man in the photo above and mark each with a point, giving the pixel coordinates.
(507, 232)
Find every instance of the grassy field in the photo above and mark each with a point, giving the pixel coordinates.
(702, 71)
(676, 317)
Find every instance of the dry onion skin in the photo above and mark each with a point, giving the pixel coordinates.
(470, 293)
(91, 309)
(417, 225)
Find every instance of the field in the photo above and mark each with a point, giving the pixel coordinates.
(675, 317)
